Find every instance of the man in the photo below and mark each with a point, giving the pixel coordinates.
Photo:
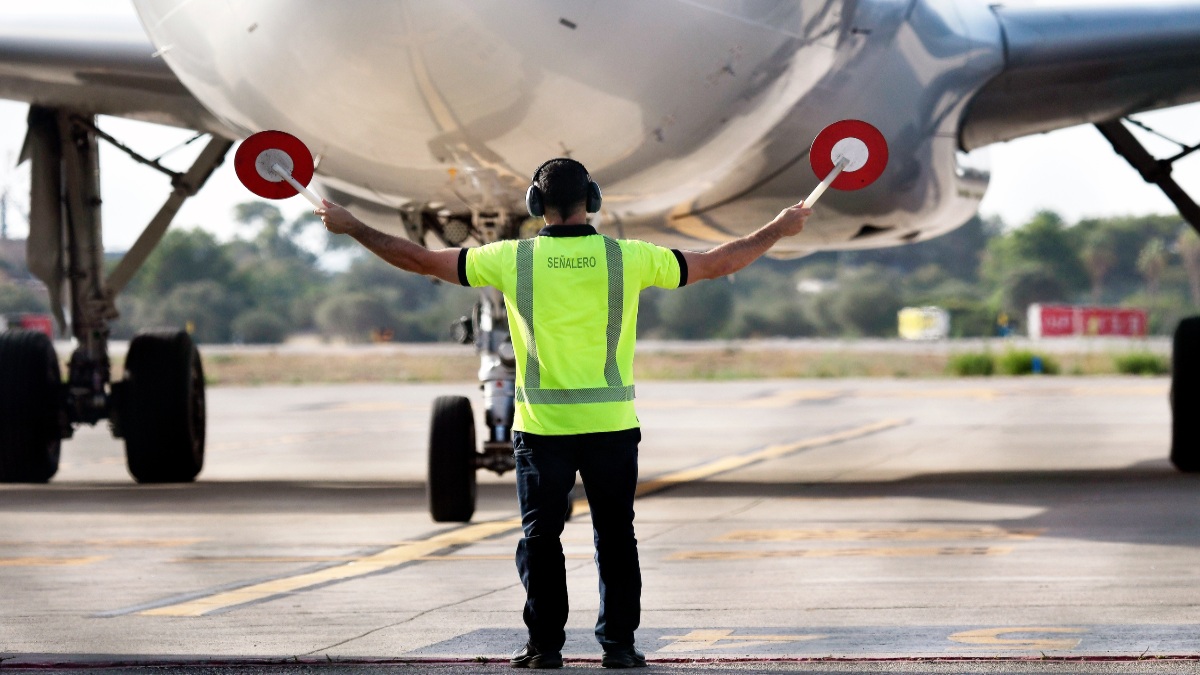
(572, 298)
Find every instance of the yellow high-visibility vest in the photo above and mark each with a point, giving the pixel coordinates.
(572, 300)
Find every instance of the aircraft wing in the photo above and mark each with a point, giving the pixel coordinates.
(1082, 65)
(100, 64)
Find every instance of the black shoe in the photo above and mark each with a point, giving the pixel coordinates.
(623, 657)
(530, 656)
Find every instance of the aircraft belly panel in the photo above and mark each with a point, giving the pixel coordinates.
(695, 117)
(884, 75)
(489, 90)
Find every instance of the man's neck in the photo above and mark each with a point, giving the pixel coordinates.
(578, 218)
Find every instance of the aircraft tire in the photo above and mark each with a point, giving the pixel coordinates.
(162, 412)
(1185, 396)
(30, 401)
(450, 487)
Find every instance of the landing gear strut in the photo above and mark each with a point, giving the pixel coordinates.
(159, 407)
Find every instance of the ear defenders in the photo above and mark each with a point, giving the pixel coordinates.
(534, 199)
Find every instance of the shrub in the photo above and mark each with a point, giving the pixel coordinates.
(697, 312)
(868, 308)
(968, 365)
(259, 327)
(1021, 362)
(205, 307)
(1142, 363)
(354, 315)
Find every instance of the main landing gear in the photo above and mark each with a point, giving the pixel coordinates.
(1185, 368)
(1185, 396)
(159, 407)
(30, 404)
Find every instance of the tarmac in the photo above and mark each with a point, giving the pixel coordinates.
(959, 526)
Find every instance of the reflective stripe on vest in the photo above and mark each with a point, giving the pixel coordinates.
(532, 392)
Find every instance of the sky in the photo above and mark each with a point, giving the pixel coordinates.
(1071, 171)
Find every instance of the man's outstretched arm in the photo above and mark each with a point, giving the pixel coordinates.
(734, 255)
(397, 251)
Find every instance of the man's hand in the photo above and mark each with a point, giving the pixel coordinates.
(790, 221)
(337, 219)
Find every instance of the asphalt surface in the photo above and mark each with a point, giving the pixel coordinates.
(965, 526)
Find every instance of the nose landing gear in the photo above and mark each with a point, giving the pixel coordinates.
(453, 459)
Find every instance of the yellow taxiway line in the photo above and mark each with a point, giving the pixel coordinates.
(470, 534)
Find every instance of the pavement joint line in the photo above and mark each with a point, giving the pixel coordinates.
(894, 552)
(911, 533)
(221, 601)
(43, 561)
(234, 661)
(102, 543)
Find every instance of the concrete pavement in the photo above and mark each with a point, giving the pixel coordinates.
(1005, 518)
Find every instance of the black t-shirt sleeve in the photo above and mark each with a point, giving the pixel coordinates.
(462, 267)
(682, 267)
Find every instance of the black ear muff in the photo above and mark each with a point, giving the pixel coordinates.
(533, 201)
(594, 198)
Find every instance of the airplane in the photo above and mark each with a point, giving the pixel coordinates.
(427, 119)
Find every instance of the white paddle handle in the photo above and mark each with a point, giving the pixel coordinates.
(820, 189)
(308, 194)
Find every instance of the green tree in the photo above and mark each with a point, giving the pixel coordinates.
(1029, 284)
(404, 291)
(204, 307)
(281, 276)
(1098, 258)
(1188, 245)
(353, 316)
(1038, 262)
(17, 298)
(971, 315)
(1128, 235)
(867, 303)
(697, 312)
(259, 326)
(183, 257)
(288, 288)
(957, 253)
(1152, 262)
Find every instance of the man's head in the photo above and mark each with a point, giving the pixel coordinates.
(562, 187)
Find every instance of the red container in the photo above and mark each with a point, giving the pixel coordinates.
(1079, 321)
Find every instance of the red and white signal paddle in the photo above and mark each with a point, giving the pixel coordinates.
(847, 155)
(275, 165)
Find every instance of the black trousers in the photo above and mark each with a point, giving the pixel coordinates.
(546, 467)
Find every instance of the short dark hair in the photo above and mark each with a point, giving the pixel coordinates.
(564, 185)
